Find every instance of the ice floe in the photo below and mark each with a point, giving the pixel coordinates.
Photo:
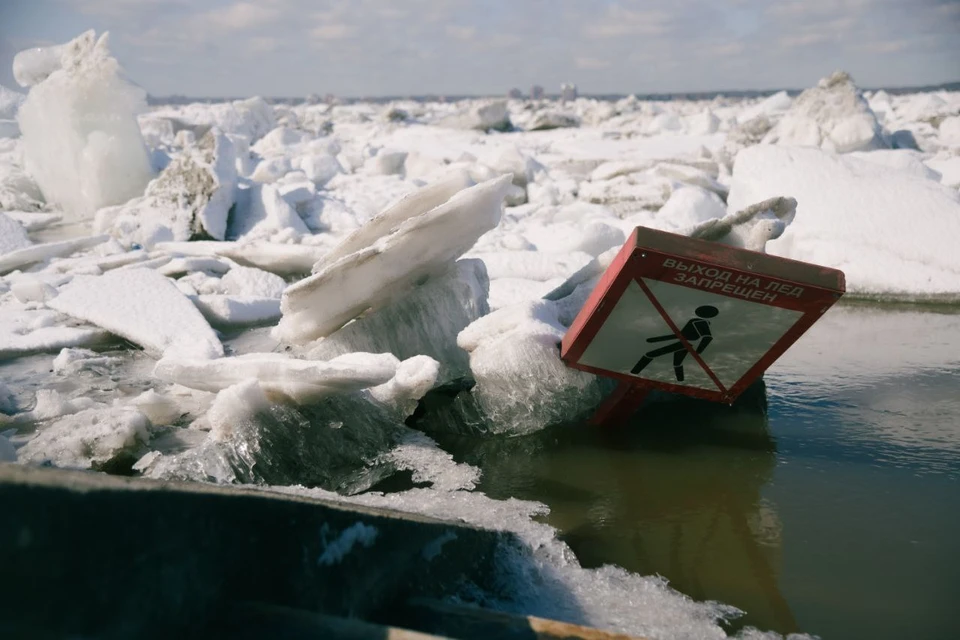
(143, 307)
(891, 232)
(82, 143)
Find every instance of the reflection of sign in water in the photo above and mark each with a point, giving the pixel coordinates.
(695, 317)
(696, 330)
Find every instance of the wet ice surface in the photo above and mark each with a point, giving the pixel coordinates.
(310, 298)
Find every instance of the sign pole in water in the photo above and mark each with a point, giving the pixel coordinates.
(693, 317)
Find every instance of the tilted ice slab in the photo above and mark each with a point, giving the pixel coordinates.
(409, 206)
(34, 220)
(424, 321)
(144, 307)
(889, 231)
(420, 247)
(281, 375)
(81, 140)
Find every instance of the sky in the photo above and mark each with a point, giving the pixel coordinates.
(357, 48)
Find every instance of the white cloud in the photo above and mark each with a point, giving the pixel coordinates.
(619, 22)
(241, 16)
(335, 31)
(460, 33)
(586, 62)
(264, 44)
(803, 40)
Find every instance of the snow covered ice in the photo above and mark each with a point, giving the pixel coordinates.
(81, 140)
(288, 295)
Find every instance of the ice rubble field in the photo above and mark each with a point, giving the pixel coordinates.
(270, 294)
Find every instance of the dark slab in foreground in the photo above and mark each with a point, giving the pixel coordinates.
(96, 556)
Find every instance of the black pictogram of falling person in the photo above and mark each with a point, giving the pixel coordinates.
(696, 329)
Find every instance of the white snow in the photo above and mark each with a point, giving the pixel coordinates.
(833, 115)
(143, 307)
(889, 231)
(250, 281)
(81, 140)
(240, 310)
(414, 377)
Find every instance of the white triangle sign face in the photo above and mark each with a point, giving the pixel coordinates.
(731, 334)
(658, 354)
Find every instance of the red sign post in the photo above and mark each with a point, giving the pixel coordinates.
(693, 317)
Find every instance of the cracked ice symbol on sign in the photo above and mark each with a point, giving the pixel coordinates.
(697, 329)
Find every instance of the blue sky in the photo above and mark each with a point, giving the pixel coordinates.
(405, 47)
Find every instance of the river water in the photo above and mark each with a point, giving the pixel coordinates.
(826, 501)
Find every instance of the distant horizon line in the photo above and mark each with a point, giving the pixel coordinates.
(455, 97)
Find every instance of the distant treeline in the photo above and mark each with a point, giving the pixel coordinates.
(697, 95)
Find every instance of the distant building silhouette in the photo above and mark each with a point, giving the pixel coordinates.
(568, 92)
(537, 93)
(515, 94)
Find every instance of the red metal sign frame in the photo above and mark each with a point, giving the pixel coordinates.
(706, 266)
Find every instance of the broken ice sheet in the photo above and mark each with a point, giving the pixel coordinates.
(335, 443)
(425, 321)
(35, 253)
(282, 376)
(143, 307)
(521, 386)
(12, 235)
(420, 247)
(25, 331)
(101, 438)
(190, 199)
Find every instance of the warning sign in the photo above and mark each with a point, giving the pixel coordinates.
(696, 317)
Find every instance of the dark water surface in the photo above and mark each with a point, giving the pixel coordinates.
(826, 501)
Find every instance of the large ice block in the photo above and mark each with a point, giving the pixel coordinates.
(419, 248)
(425, 321)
